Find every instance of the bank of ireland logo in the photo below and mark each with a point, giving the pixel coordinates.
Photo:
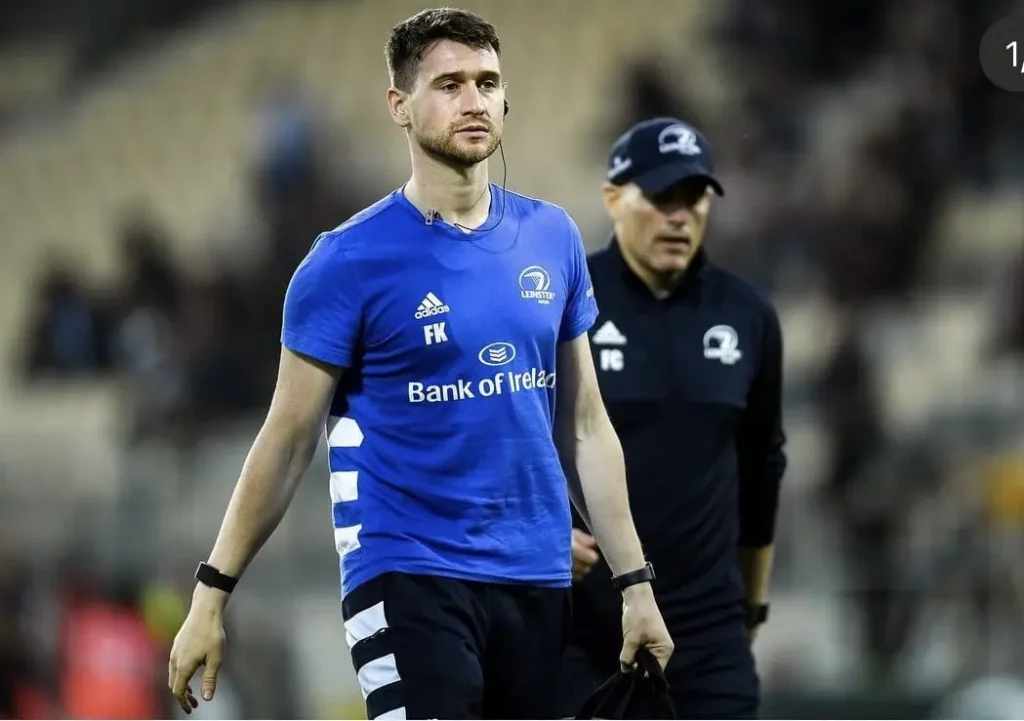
(535, 284)
(499, 381)
(497, 354)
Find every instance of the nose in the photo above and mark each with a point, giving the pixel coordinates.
(677, 213)
(473, 101)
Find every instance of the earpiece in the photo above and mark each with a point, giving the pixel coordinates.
(506, 107)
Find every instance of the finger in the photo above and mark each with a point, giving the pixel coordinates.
(579, 570)
(661, 657)
(584, 552)
(583, 564)
(662, 652)
(583, 538)
(627, 658)
(210, 676)
(180, 686)
(190, 697)
(187, 701)
(180, 681)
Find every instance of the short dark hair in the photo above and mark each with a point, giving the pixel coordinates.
(412, 38)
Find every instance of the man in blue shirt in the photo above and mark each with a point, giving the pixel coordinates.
(436, 333)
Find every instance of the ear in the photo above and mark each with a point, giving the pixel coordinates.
(611, 195)
(704, 204)
(398, 106)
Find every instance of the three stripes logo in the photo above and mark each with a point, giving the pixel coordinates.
(431, 305)
(608, 334)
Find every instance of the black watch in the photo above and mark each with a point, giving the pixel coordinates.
(757, 614)
(632, 578)
(210, 576)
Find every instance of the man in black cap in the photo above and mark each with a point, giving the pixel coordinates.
(689, 359)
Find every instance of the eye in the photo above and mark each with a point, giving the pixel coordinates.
(449, 87)
(489, 85)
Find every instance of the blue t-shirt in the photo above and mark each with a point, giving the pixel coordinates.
(441, 452)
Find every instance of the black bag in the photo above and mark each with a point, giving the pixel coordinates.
(638, 694)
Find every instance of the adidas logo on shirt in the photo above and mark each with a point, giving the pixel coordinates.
(608, 334)
(431, 305)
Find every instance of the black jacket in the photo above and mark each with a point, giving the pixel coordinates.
(693, 385)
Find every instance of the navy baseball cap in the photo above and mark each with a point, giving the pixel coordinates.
(658, 153)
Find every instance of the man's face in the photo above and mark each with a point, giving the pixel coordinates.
(456, 105)
(664, 232)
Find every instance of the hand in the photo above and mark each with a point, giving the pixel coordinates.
(200, 642)
(643, 626)
(584, 553)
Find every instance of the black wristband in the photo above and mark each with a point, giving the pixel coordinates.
(632, 578)
(757, 614)
(210, 576)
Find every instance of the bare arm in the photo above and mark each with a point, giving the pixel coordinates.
(592, 458)
(756, 568)
(322, 320)
(279, 456)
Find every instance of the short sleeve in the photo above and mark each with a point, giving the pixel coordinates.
(323, 306)
(581, 306)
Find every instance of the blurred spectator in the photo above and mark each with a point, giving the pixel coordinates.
(878, 228)
(647, 93)
(851, 411)
(148, 300)
(859, 487)
(151, 278)
(826, 41)
(68, 335)
(110, 667)
(285, 138)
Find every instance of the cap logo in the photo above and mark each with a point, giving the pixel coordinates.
(678, 139)
(619, 166)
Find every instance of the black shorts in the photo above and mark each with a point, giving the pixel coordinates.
(434, 647)
(713, 679)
